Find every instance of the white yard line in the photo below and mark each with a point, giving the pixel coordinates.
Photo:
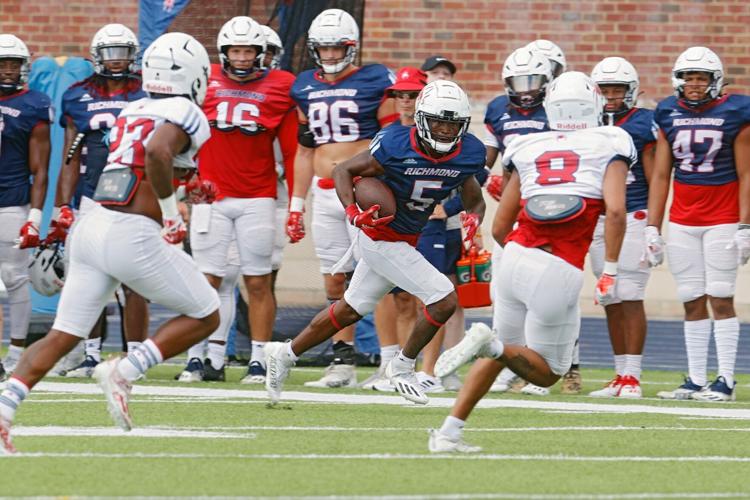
(315, 428)
(468, 496)
(147, 432)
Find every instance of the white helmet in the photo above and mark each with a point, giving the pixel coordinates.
(47, 270)
(552, 52)
(333, 28)
(442, 100)
(618, 71)
(243, 31)
(526, 74)
(12, 47)
(114, 42)
(698, 59)
(273, 40)
(176, 64)
(573, 102)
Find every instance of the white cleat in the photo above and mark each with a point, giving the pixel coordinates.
(477, 338)
(440, 443)
(452, 383)
(611, 390)
(6, 443)
(406, 384)
(534, 390)
(116, 390)
(630, 389)
(686, 391)
(718, 392)
(373, 379)
(336, 376)
(278, 365)
(429, 383)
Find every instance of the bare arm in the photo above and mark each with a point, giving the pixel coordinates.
(471, 197)
(303, 165)
(507, 212)
(615, 180)
(658, 188)
(69, 170)
(39, 148)
(168, 141)
(492, 154)
(648, 157)
(362, 164)
(742, 164)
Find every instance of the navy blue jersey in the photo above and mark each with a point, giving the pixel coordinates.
(702, 139)
(345, 110)
(639, 123)
(504, 122)
(22, 112)
(419, 182)
(93, 114)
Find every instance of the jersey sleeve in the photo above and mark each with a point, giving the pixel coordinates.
(623, 146)
(45, 112)
(65, 104)
(189, 117)
(378, 146)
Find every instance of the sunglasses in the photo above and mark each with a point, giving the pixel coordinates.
(405, 95)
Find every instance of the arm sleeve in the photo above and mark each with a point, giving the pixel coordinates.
(490, 139)
(453, 206)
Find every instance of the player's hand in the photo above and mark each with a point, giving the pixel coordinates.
(471, 225)
(66, 217)
(604, 294)
(174, 230)
(741, 242)
(367, 218)
(295, 227)
(28, 237)
(55, 233)
(495, 186)
(654, 252)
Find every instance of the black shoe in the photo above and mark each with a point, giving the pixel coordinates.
(211, 374)
(2, 372)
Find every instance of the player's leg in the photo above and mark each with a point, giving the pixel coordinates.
(213, 366)
(92, 350)
(386, 325)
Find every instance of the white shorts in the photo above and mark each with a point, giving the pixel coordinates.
(497, 253)
(388, 264)
(331, 232)
(700, 260)
(252, 221)
(14, 262)
(109, 248)
(282, 208)
(632, 270)
(537, 301)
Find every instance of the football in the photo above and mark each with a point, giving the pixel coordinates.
(369, 191)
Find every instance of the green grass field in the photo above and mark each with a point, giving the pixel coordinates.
(223, 440)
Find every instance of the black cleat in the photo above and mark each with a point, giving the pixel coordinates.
(211, 374)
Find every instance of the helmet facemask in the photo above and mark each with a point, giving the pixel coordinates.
(350, 53)
(109, 53)
(450, 129)
(255, 66)
(526, 91)
(712, 90)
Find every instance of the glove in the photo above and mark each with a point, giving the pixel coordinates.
(55, 233)
(604, 294)
(495, 186)
(174, 230)
(471, 225)
(366, 219)
(28, 236)
(66, 217)
(295, 227)
(655, 244)
(200, 191)
(741, 242)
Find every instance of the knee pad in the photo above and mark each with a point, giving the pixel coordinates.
(631, 286)
(720, 289)
(14, 276)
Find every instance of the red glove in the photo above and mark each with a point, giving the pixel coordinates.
(200, 191)
(295, 227)
(604, 294)
(66, 217)
(471, 225)
(495, 186)
(366, 218)
(28, 237)
(174, 230)
(55, 233)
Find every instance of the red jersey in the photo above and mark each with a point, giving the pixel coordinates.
(245, 119)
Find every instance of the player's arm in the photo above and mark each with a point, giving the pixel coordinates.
(507, 212)
(742, 164)
(360, 165)
(492, 154)
(613, 189)
(494, 184)
(39, 148)
(658, 187)
(473, 202)
(648, 158)
(70, 167)
(303, 161)
(287, 135)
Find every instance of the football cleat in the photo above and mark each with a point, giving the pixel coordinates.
(211, 374)
(571, 382)
(406, 384)
(718, 391)
(429, 383)
(256, 374)
(373, 379)
(3, 375)
(686, 391)
(452, 383)
(193, 372)
(440, 443)
(84, 370)
(337, 375)
(610, 390)
(534, 390)
(116, 390)
(630, 388)
(278, 365)
(473, 345)
(6, 443)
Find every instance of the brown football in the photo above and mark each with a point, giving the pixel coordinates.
(369, 191)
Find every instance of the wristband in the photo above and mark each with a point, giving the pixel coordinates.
(169, 207)
(297, 204)
(35, 216)
(610, 268)
(56, 212)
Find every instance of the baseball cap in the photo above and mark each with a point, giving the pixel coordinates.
(432, 61)
(409, 78)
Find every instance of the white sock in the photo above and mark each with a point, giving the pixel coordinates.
(620, 364)
(453, 427)
(633, 365)
(15, 392)
(133, 345)
(216, 354)
(387, 353)
(93, 348)
(290, 353)
(259, 352)
(402, 363)
(196, 351)
(14, 354)
(697, 334)
(726, 336)
(140, 360)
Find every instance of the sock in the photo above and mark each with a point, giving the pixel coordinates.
(726, 336)
(290, 353)
(387, 353)
(140, 360)
(697, 334)
(343, 353)
(93, 348)
(402, 363)
(132, 346)
(620, 364)
(216, 354)
(14, 354)
(576, 354)
(259, 352)
(196, 351)
(15, 392)
(633, 365)
(453, 428)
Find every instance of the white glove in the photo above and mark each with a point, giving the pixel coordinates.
(654, 246)
(741, 242)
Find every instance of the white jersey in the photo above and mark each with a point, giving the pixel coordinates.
(137, 122)
(568, 162)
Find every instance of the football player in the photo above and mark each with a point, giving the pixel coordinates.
(90, 108)
(341, 107)
(248, 107)
(626, 317)
(551, 51)
(129, 235)
(703, 136)
(27, 115)
(421, 165)
(562, 180)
